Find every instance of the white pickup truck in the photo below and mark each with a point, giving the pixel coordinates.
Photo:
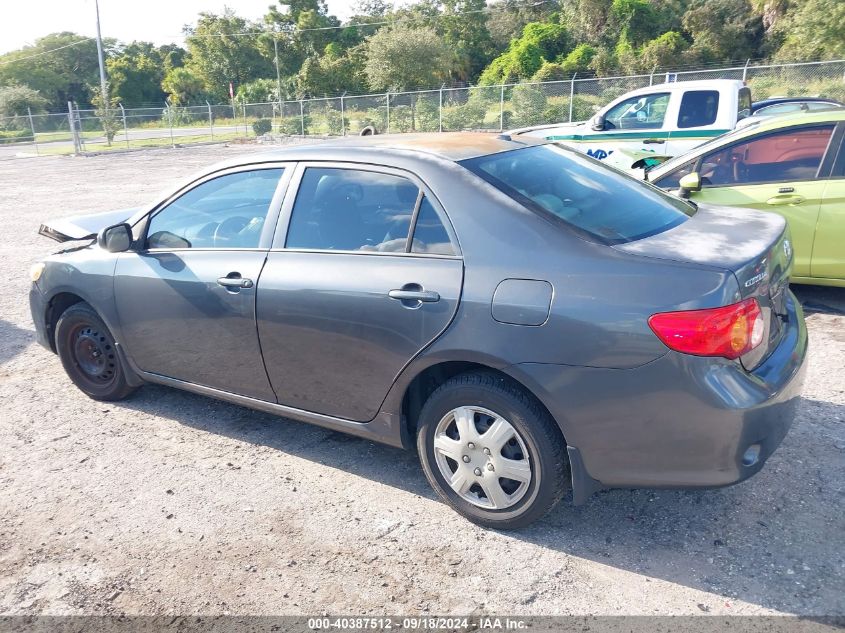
(650, 125)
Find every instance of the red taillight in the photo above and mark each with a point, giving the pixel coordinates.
(730, 331)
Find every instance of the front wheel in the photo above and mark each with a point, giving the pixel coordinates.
(88, 354)
(491, 451)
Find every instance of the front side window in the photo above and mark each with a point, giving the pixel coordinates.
(226, 212)
(698, 108)
(638, 113)
(602, 203)
(340, 209)
(788, 155)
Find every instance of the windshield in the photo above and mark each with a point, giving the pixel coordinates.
(595, 199)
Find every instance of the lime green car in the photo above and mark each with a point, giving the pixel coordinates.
(793, 165)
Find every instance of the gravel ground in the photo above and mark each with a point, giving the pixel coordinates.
(174, 503)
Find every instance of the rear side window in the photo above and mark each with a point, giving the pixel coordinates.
(430, 236)
(743, 104)
(352, 210)
(698, 108)
(787, 155)
(342, 209)
(598, 202)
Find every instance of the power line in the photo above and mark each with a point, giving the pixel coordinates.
(52, 50)
(297, 30)
(366, 24)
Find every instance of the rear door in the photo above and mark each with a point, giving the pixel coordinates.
(364, 273)
(773, 171)
(695, 120)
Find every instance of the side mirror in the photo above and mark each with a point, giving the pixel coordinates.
(598, 122)
(115, 239)
(689, 183)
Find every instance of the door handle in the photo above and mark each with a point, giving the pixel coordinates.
(654, 141)
(426, 296)
(234, 280)
(785, 199)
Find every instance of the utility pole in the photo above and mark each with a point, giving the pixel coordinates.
(103, 86)
(278, 76)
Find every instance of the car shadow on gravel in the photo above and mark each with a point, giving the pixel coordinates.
(13, 340)
(821, 299)
(768, 541)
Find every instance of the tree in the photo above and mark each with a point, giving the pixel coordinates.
(106, 112)
(218, 56)
(813, 29)
(463, 25)
(723, 30)
(663, 51)
(62, 75)
(635, 19)
(17, 101)
(183, 87)
(579, 59)
(333, 74)
(540, 41)
(301, 22)
(136, 71)
(507, 18)
(402, 58)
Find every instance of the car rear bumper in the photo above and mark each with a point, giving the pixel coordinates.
(679, 421)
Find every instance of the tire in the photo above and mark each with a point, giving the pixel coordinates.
(89, 356)
(535, 443)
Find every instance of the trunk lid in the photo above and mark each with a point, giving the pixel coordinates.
(754, 245)
(84, 227)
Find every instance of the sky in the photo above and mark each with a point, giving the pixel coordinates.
(158, 21)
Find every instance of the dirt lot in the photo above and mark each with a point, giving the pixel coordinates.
(174, 503)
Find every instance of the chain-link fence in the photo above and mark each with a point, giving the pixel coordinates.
(490, 108)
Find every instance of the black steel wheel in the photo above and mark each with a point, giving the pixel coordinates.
(89, 355)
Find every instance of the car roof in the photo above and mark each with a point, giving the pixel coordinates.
(776, 100)
(449, 146)
(699, 84)
(766, 124)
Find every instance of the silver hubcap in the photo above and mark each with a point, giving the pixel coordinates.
(482, 457)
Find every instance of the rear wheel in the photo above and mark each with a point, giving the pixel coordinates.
(88, 354)
(491, 451)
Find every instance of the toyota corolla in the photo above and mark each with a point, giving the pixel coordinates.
(529, 319)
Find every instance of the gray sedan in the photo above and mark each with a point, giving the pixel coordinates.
(527, 318)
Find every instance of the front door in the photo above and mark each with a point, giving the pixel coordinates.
(773, 172)
(186, 299)
(634, 129)
(369, 275)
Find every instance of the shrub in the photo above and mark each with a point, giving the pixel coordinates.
(528, 103)
(14, 136)
(468, 116)
(401, 119)
(262, 127)
(291, 126)
(428, 119)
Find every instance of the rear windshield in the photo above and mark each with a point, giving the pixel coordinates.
(597, 201)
